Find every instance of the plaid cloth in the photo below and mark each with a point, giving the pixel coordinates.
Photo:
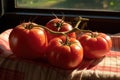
(106, 68)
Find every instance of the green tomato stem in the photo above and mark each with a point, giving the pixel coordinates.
(75, 29)
(65, 32)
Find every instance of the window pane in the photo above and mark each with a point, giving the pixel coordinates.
(110, 5)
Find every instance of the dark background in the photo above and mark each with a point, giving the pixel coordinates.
(101, 21)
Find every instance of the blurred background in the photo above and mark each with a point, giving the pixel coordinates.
(107, 5)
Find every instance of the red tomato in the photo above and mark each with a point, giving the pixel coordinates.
(95, 45)
(65, 55)
(28, 41)
(60, 26)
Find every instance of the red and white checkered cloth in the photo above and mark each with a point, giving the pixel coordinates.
(106, 68)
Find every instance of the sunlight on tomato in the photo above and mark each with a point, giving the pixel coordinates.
(65, 55)
(28, 41)
(95, 45)
(59, 25)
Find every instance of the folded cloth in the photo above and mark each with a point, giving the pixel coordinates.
(106, 68)
(4, 43)
(116, 42)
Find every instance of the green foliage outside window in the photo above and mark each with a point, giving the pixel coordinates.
(113, 5)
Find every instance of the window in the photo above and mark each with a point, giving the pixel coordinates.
(106, 5)
(104, 15)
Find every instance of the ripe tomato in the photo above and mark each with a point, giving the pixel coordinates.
(95, 45)
(60, 26)
(28, 41)
(65, 55)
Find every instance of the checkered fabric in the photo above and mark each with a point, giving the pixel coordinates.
(106, 68)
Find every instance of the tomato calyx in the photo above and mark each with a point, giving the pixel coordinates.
(67, 42)
(29, 25)
(94, 34)
(58, 24)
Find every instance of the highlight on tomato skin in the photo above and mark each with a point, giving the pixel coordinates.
(28, 41)
(95, 44)
(59, 25)
(65, 55)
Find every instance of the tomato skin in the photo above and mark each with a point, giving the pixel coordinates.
(95, 45)
(28, 43)
(65, 56)
(60, 26)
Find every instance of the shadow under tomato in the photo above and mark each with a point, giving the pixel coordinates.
(89, 63)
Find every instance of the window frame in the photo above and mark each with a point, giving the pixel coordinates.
(103, 21)
(10, 8)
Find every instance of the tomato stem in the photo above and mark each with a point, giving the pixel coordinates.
(30, 26)
(59, 24)
(94, 35)
(80, 19)
(75, 29)
(65, 32)
(66, 41)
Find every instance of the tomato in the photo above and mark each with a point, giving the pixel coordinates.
(28, 41)
(65, 54)
(95, 44)
(60, 26)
